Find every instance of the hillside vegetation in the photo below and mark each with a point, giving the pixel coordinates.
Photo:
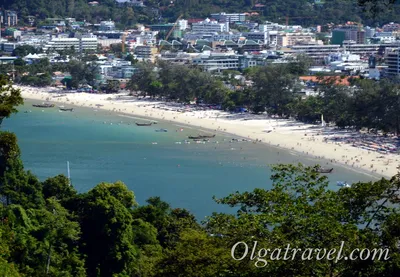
(303, 12)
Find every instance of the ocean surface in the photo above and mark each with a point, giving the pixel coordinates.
(104, 146)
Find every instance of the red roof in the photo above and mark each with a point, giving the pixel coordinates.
(338, 79)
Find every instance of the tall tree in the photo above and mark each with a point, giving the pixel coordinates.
(10, 97)
(107, 233)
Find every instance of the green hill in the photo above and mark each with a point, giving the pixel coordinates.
(305, 12)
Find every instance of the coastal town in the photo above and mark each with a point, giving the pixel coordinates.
(220, 42)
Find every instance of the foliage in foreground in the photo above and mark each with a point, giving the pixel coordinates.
(48, 228)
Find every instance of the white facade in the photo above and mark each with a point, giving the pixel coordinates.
(273, 38)
(268, 26)
(208, 26)
(107, 25)
(229, 17)
(183, 24)
(80, 44)
(385, 37)
(342, 57)
(88, 44)
(213, 61)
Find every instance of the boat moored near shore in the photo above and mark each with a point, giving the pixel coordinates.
(343, 184)
(201, 137)
(144, 124)
(44, 105)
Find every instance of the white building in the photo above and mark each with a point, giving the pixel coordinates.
(137, 3)
(217, 61)
(229, 17)
(208, 26)
(183, 24)
(107, 25)
(342, 57)
(385, 37)
(268, 26)
(79, 44)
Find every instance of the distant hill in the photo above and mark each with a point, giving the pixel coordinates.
(304, 12)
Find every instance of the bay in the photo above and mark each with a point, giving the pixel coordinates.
(103, 146)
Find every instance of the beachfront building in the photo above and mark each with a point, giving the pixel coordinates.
(208, 26)
(217, 61)
(229, 17)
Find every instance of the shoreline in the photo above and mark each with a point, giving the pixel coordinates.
(305, 140)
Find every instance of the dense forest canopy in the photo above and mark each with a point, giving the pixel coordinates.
(304, 12)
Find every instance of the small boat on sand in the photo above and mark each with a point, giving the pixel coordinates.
(143, 124)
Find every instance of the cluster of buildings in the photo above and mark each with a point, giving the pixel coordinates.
(220, 42)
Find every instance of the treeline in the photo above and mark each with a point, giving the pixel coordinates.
(303, 12)
(276, 90)
(79, 9)
(48, 229)
(40, 72)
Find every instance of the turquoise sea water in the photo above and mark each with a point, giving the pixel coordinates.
(104, 146)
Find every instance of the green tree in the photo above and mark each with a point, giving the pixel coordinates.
(58, 187)
(198, 255)
(112, 86)
(107, 232)
(16, 185)
(10, 97)
(24, 50)
(274, 88)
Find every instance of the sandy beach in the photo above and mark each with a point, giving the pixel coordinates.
(352, 149)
